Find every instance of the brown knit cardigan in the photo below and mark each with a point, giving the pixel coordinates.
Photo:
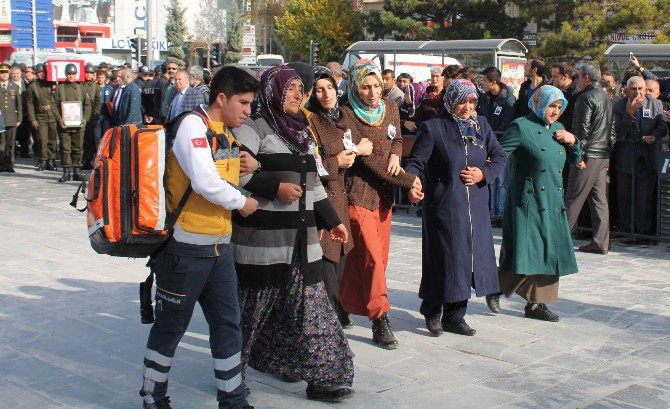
(367, 182)
(329, 137)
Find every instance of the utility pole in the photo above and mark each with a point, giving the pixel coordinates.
(150, 33)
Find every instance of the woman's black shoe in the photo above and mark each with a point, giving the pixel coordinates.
(434, 324)
(460, 328)
(334, 394)
(540, 312)
(493, 301)
(288, 378)
(345, 320)
(382, 334)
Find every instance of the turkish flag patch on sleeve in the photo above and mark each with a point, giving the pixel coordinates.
(199, 142)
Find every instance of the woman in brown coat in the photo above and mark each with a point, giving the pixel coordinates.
(330, 130)
(369, 184)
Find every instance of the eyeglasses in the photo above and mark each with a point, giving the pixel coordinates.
(171, 69)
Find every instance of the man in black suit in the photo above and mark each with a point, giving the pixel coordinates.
(12, 112)
(639, 124)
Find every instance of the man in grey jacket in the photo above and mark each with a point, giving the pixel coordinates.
(592, 124)
(639, 124)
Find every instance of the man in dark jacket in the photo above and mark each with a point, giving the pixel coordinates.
(12, 112)
(497, 106)
(592, 124)
(664, 82)
(534, 71)
(639, 124)
(127, 101)
(562, 77)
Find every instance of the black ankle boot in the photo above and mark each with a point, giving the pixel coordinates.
(51, 164)
(434, 324)
(382, 334)
(67, 175)
(41, 166)
(77, 176)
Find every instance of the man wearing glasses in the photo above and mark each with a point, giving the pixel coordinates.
(162, 91)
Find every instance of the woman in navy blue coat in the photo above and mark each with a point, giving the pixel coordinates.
(457, 153)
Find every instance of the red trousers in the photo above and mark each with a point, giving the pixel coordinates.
(363, 288)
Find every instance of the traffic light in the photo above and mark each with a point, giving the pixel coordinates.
(134, 49)
(215, 53)
(314, 52)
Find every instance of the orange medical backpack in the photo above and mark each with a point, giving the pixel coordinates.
(126, 213)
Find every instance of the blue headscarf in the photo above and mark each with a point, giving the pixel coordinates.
(457, 91)
(545, 96)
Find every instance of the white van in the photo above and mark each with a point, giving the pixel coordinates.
(26, 57)
(269, 60)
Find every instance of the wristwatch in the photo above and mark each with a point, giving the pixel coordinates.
(258, 169)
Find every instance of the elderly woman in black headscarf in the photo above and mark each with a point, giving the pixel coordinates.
(288, 325)
(332, 133)
(457, 153)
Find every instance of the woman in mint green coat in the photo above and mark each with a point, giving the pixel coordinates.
(537, 247)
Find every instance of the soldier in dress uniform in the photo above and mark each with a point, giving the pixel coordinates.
(12, 112)
(40, 107)
(71, 136)
(92, 90)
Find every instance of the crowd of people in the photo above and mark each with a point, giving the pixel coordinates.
(281, 253)
(35, 118)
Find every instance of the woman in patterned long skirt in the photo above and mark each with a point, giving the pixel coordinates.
(289, 326)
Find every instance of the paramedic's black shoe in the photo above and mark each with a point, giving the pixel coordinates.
(161, 404)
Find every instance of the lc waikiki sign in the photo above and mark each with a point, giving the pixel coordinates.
(124, 44)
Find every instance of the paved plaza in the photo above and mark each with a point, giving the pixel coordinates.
(70, 335)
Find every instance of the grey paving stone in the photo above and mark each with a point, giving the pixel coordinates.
(643, 396)
(70, 333)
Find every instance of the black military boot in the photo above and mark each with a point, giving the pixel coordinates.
(41, 166)
(67, 176)
(382, 334)
(51, 164)
(77, 176)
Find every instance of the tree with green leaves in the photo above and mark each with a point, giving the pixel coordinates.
(333, 23)
(175, 31)
(234, 38)
(586, 35)
(443, 20)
